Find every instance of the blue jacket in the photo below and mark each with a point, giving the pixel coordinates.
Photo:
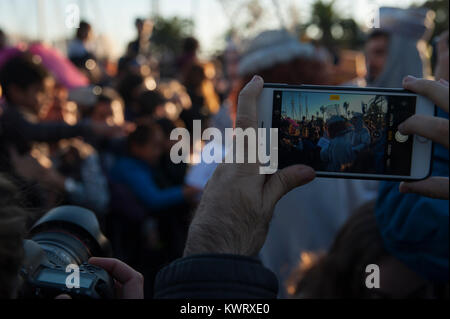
(138, 177)
(415, 229)
(339, 152)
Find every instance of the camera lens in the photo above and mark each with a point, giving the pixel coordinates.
(70, 235)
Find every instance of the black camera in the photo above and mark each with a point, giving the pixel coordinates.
(56, 255)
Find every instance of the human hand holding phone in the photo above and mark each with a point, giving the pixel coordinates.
(238, 202)
(433, 128)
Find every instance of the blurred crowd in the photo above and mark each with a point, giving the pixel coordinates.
(79, 130)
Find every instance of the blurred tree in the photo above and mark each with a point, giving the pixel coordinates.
(325, 17)
(353, 36)
(244, 16)
(330, 29)
(169, 33)
(167, 42)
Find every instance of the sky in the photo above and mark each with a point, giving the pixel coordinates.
(115, 18)
(315, 100)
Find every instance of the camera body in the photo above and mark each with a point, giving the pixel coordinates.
(57, 254)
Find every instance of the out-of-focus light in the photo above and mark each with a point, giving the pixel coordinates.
(110, 121)
(70, 114)
(145, 70)
(117, 109)
(150, 83)
(1, 91)
(210, 71)
(90, 64)
(197, 152)
(337, 31)
(36, 59)
(97, 90)
(314, 32)
(71, 106)
(291, 290)
(41, 158)
(171, 110)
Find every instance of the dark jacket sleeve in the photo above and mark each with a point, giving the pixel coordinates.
(216, 277)
(19, 130)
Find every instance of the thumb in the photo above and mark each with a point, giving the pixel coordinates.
(286, 180)
(247, 113)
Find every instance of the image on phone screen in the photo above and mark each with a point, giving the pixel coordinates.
(344, 133)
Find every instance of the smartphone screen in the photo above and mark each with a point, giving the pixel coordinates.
(354, 133)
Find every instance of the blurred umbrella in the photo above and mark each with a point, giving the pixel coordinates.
(65, 73)
(7, 54)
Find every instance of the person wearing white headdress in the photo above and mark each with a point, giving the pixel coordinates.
(398, 48)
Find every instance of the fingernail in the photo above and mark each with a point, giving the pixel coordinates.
(409, 79)
(401, 127)
(256, 78)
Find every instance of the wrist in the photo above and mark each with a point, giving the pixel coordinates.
(227, 238)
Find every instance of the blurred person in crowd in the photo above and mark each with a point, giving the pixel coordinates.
(23, 82)
(342, 271)
(84, 53)
(128, 62)
(376, 49)
(177, 99)
(80, 49)
(442, 52)
(398, 48)
(151, 105)
(2, 40)
(205, 101)
(175, 173)
(155, 233)
(75, 173)
(370, 238)
(13, 223)
(145, 147)
(229, 229)
(407, 56)
(406, 214)
(80, 176)
(141, 45)
(130, 87)
(108, 109)
(199, 174)
(280, 58)
(188, 56)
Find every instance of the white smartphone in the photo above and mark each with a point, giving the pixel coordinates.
(346, 132)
